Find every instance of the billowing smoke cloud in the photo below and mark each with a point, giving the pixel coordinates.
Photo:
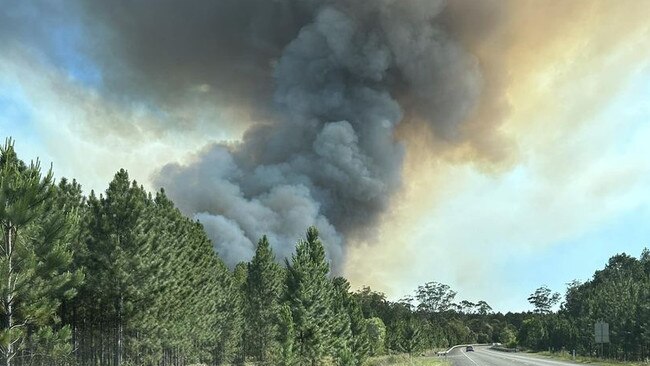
(328, 157)
(324, 84)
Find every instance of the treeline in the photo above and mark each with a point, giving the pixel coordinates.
(432, 320)
(123, 278)
(116, 279)
(619, 295)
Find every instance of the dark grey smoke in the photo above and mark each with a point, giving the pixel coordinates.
(159, 51)
(329, 157)
(327, 82)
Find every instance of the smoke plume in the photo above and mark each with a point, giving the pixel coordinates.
(328, 156)
(325, 85)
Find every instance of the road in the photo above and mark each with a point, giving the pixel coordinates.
(483, 356)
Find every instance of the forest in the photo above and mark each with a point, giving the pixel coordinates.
(124, 278)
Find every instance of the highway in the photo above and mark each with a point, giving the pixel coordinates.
(483, 356)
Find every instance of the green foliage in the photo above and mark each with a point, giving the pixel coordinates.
(263, 291)
(617, 294)
(410, 339)
(155, 287)
(543, 300)
(351, 343)
(373, 304)
(309, 295)
(434, 297)
(376, 336)
(534, 333)
(286, 337)
(508, 336)
(156, 293)
(35, 260)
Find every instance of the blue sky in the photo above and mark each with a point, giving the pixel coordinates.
(16, 119)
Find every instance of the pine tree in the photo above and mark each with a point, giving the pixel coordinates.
(309, 294)
(180, 310)
(263, 289)
(35, 259)
(351, 344)
(180, 303)
(358, 326)
(286, 337)
(71, 201)
(229, 346)
(341, 339)
(115, 255)
(376, 331)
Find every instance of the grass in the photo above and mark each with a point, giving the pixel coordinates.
(564, 355)
(405, 360)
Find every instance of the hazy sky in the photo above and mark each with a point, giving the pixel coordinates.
(546, 176)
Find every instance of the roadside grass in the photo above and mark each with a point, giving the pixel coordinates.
(566, 356)
(405, 360)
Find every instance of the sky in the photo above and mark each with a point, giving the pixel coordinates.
(509, 147)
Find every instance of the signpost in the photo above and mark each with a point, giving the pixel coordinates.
(601, 334)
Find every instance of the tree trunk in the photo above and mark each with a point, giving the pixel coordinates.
(120, 333)
(9, 243)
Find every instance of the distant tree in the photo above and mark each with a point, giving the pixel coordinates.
(533, 333)
(466, 307)
(407, 301)
(434, 297)
(35, 260)
(508, 336)
(645, 260)
(483, 308)
(543, 299)
(373, 303)
(459, 332)
(481, 327)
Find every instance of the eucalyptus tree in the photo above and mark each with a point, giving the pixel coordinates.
(543, 300)
(434, 297)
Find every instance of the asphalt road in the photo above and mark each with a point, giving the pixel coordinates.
(483, 356)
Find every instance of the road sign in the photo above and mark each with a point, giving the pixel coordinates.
(601, 332)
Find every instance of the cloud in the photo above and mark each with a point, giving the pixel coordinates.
(74, 127)
(570, 83)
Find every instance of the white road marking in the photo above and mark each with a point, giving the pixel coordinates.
(465, 354)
